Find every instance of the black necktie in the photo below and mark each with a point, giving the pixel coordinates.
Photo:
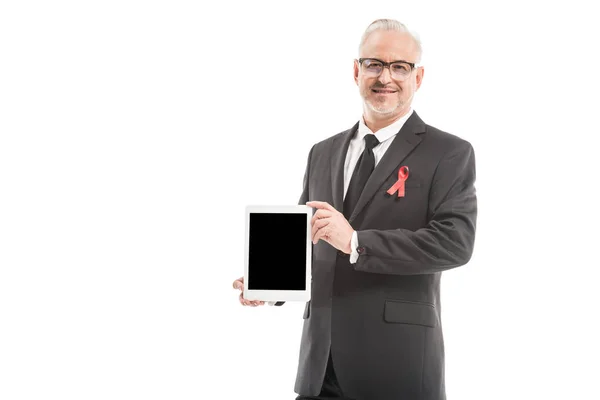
(362, 171)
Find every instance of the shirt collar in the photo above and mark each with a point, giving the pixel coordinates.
(384, 133)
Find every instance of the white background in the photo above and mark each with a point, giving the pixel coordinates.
(134, 133)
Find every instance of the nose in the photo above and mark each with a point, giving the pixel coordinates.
(385, 76)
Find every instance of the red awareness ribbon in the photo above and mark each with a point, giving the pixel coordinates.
(399, 185)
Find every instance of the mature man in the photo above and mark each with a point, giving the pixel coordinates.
(396, 206)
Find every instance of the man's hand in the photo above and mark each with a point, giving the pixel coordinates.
(331, 226)
(239, 284)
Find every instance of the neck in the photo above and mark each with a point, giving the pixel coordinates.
(376, 122)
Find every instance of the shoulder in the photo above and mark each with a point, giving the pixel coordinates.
(437, 135)
(445, 142)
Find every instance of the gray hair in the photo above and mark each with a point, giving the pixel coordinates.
(391, 25)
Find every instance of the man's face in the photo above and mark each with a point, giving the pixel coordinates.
(386, 96)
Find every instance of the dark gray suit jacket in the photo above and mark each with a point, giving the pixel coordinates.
(382, 315)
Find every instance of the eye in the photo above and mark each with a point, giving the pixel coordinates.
(401, 68)
(372, 65)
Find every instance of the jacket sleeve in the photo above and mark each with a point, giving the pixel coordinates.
(303, 197)
(446, 241)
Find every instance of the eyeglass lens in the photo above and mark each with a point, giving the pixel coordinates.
(398, 70)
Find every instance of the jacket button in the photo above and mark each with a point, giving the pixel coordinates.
(360, 250)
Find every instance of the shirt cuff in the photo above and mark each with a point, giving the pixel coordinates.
(353, 247)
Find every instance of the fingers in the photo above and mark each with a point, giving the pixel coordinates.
(250, 303)
(317, 229)
(245, 302)
(239, 284)
(322, 234)
(321, 205)
(320, 214)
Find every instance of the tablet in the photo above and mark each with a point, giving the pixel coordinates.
(278, 254)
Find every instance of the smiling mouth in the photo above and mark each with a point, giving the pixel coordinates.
(384, 91)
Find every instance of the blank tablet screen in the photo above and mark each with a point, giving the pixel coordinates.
(277, 251)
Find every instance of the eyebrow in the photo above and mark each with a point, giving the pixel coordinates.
(391, 62)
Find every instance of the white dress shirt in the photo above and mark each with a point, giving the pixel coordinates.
(357, 145)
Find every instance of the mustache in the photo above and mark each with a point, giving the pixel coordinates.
(380, 86)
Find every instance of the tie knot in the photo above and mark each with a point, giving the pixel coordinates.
(371, 141)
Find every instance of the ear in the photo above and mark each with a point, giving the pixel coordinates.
(356, 71)
(419, 77)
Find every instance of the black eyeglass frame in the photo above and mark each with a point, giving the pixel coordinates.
(389, 64)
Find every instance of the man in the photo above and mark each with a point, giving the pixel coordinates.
(396, 206)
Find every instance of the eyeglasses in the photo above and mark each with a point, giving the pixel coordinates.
(399, 70)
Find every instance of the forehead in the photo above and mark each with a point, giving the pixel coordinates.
(390, 46)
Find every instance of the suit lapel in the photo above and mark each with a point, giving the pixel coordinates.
(405, 141)
(339, 148)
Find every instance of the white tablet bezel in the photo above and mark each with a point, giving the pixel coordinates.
(279, 295)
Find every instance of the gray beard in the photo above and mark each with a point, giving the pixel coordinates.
(390, 110)
(382, 110)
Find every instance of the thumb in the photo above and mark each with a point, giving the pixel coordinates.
(239, 284)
